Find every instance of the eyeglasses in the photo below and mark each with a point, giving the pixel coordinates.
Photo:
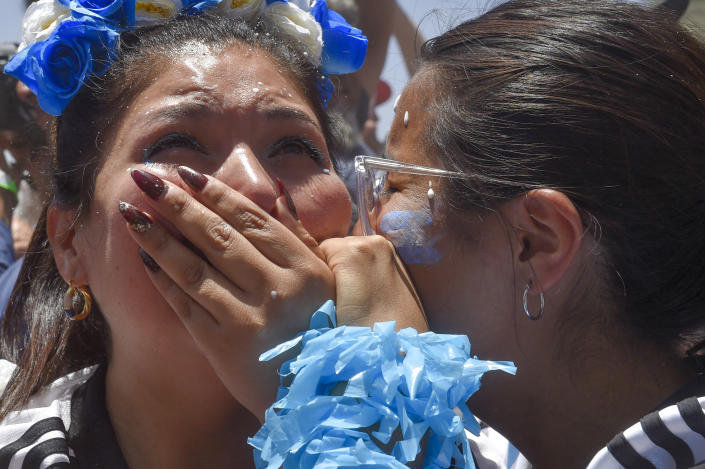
(372, 179)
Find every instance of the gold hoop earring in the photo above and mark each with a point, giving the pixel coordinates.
(73, 302)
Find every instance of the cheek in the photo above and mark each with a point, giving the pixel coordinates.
(110, 251)
(323, 205)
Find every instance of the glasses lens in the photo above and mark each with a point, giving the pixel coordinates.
(376, 182)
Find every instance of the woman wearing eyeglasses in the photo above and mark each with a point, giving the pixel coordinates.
(565, 229)
(544, 187)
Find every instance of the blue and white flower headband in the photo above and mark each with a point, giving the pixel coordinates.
(65, 42)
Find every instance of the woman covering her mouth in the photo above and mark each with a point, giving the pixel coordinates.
(163, 107)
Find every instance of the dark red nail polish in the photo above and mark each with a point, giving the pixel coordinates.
(150, 184)
(289, 200)
(149, 261)
(138, 220)
(193, 178)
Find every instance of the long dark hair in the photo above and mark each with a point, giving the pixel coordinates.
(603, 100)
(53, 345)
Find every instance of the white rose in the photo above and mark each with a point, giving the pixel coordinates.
(246, 9)
(41, 19)
(299, 25)
(155, 11)
(305, 5)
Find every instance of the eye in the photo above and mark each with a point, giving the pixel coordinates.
(389, 190)
(296, 146)
(173, 141)
(389, 185)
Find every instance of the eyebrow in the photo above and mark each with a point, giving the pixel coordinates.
(192, 110)
(289, 113)
(196, 109)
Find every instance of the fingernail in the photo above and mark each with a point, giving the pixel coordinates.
(150, 184)
(193, 178)
(138, 220)
(148, 261)
(289, 200)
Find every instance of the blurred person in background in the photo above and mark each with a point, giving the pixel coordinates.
(410, 39)
(358, 94)
(23, 139)
(9, 173)
(18, 135)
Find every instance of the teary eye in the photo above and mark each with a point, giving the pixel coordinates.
(173, 140)
(296, 146)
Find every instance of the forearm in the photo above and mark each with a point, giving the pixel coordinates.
(375, 21)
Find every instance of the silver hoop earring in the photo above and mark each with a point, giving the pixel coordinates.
(537, 316)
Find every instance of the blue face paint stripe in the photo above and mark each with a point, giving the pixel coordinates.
(408, 232)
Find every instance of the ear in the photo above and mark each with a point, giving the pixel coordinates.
(61, 231)
(550, 232)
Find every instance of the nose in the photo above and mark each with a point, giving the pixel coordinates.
(243, 172)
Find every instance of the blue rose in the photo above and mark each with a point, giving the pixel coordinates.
(193, 7)
(344, 47)
(55, 69)
(116, 12)
(325, 89)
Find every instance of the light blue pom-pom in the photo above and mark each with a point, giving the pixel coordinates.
(357, 390)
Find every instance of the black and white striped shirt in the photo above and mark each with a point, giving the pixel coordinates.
(64, 425)
(671, 438)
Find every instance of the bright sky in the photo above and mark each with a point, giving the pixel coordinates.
(10, 20)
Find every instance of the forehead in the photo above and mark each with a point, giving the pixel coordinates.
(236, 78)
(407, 136)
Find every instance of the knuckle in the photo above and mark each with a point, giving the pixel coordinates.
(380, 243)
(220, 236)
(194, 274)
(178, 301)
(370, 245)
(179, 203)
(319, 278)
(250, 221)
